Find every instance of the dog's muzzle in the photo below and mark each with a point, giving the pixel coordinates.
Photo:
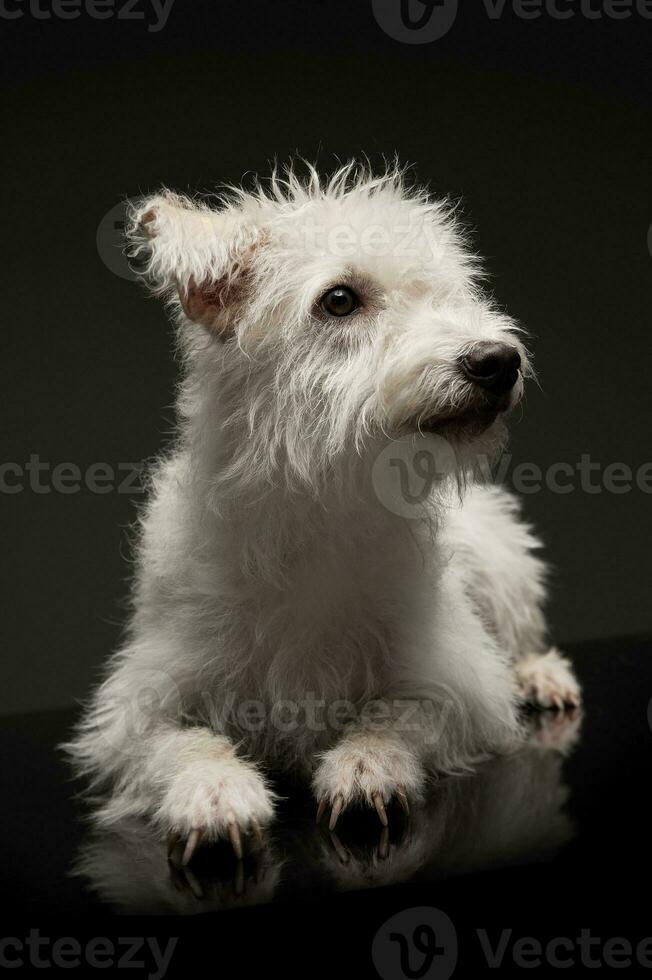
(493, 370)
(492, 366)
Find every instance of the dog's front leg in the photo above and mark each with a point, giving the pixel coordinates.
(189, 781)
(205, 791)
(369, 768)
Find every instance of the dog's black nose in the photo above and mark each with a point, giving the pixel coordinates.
(492, 366)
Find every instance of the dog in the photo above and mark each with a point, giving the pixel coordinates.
(285, 617)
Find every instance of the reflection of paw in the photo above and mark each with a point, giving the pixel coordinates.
(212, 800)
(558, 730)
(125, 865)
(367, 769)
(547, 681)
(387, 857)
(231, 884)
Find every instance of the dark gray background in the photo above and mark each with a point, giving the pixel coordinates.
(541, 127)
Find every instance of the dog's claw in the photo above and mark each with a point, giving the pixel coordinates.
(196, 836)
(172, 841)
(236, 840)
(380, 808)
(376, 799)
(383, 844)
(256, 831)
(194, 839)
(401, 796)
(193, 884)
(338, 806)
(339, 848)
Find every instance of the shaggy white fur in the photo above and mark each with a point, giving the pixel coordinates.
(282, 613)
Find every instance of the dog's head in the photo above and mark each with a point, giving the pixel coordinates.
(337, 313)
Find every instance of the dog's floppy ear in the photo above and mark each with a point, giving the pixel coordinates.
(201, 255)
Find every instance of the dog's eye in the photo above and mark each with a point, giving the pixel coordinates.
(340, 301)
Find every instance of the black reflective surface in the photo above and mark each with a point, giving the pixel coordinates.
(545, 843)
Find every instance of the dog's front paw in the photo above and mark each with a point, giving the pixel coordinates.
(212, 800)
(366, 769)
(547, 681)
(556, 730)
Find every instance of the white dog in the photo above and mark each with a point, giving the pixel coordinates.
(283, 614)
